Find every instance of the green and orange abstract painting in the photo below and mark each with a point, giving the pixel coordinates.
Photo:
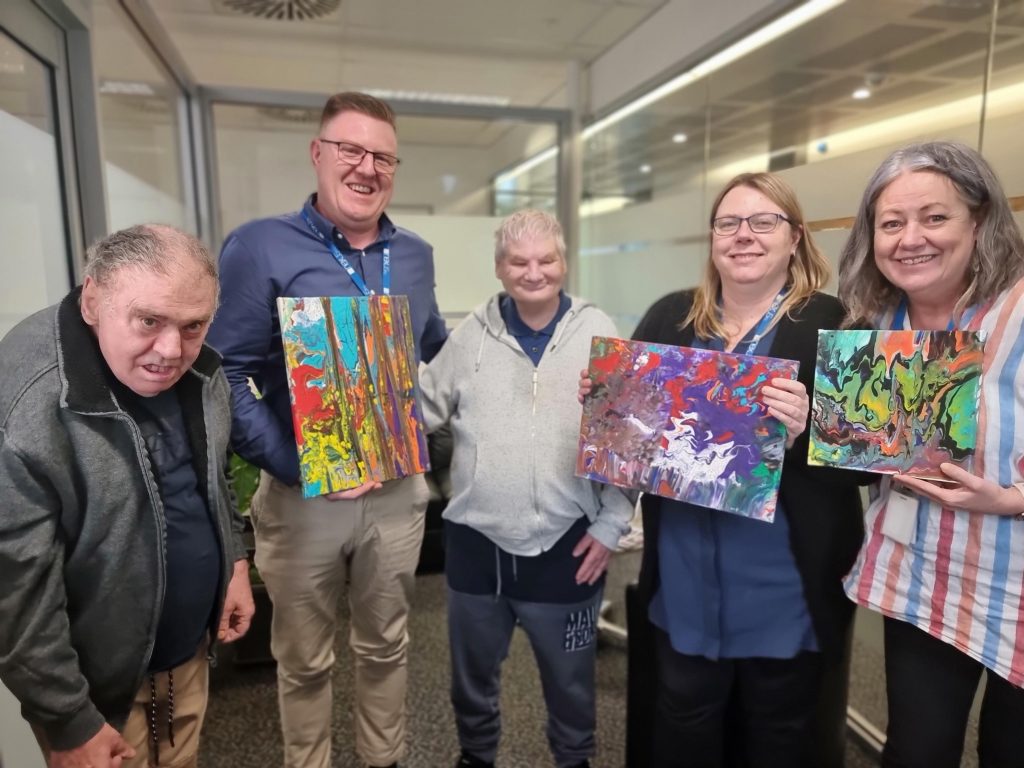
(352, 378)
(896, 401)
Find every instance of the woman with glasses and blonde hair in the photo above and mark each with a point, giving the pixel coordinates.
(935, 247)
(751, 625)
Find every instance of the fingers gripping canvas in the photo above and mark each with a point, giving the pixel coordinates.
(687, 424)
(896, 401)
(352, 378)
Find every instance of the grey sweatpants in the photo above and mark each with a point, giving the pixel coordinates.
(564, 641)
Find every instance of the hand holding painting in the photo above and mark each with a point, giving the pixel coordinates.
(788, 402)
(970, 492)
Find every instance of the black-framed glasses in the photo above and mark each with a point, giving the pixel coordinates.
(353, 154)
(760, 223)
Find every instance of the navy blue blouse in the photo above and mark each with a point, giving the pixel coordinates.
(729, 584)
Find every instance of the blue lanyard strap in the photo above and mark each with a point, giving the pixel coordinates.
(340, 258)
(766, 321)
(899, 319)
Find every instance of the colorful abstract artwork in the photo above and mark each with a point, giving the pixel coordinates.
(683, 423)
(896, 401)
(352, 377)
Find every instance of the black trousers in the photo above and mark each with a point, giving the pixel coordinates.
(930, 686)
(741, 713)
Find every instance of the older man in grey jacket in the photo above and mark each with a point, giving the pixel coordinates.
(120, 549)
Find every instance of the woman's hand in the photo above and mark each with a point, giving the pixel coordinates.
(787, 401)
(585, 385)
(967, 491)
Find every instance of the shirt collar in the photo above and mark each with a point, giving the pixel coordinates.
(385, 228)
(515, 325)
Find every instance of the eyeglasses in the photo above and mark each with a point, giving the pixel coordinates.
(353, 154)
(760, 223)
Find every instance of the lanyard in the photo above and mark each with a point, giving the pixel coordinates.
(340, 258)
(900, 318)
(766, 320)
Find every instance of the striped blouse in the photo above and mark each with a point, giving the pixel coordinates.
(962, 577)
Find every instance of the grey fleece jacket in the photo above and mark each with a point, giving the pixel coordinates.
(82, 527)
(515, 430)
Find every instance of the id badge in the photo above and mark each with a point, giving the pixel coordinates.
(900, 521)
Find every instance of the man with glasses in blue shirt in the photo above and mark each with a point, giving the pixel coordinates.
(341, 243)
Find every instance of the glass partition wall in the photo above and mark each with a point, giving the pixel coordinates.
(143, 127)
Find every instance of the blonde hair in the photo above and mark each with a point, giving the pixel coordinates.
(528, 224)
(808, 268)
(997, 261)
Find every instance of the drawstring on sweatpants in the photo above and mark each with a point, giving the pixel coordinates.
(153, 736)
(497, 568)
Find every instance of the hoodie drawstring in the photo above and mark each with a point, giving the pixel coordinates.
(154, 737)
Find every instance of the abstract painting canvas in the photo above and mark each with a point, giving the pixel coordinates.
(352, 378)
(896, 401)
(687, 424)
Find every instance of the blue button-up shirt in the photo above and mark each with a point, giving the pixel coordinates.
(281, 256)
(729, 587)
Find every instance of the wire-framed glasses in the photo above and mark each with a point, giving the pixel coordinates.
(353, 154)
(760, 223)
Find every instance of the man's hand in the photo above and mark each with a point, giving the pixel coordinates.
(355, 493)
(238, 605)
(596, 561)
(104, 750)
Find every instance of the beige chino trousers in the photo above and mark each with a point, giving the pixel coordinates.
(191, 686)
(305, 552)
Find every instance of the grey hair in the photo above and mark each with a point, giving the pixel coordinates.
(997, 260)
(528, 224)
(152, 247)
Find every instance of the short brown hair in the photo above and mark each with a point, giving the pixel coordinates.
(354, 101)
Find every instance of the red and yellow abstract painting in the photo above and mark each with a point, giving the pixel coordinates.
(352, 378)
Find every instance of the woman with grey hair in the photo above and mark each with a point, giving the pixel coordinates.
(935, 246)
(527, 542)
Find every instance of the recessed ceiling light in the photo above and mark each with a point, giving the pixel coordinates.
(679, 138)
(645, 168)
(862, 93)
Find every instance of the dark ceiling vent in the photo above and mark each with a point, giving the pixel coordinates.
(283, 10)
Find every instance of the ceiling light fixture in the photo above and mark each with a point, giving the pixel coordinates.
(439, 98)
(862, 93)
(756, 39)
(679, 138)
(645, 168)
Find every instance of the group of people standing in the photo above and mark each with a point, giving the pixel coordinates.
(114, 432)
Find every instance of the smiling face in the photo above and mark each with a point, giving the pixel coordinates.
(150, 326)
(924, 237)
(749, 258)
(532, 272)
(353, 197)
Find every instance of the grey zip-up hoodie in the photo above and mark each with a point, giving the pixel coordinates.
(515, 429)
(82, 541)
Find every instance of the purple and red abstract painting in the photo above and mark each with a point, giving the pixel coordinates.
(686, 424)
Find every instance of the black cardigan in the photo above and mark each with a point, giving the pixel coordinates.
(823, 506)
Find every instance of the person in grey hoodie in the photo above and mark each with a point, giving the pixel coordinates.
(527, 541)
(121, 555)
